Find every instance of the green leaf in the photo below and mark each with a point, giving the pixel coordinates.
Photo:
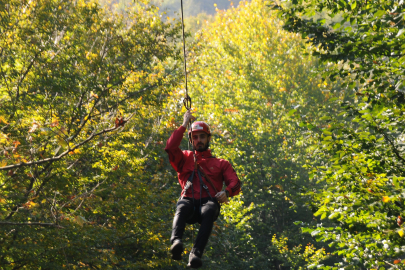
(310, 126)
(291, 112)
(336, 26)
(334, 215)
(379, 13)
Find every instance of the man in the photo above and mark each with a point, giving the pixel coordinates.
(200, 181)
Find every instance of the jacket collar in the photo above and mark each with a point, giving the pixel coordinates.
(204, 154)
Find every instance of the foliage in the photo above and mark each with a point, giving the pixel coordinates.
(193, 24)
(361, 144)
(80, 97)
(194, 7)
(310, 256)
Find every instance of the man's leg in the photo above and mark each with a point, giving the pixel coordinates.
(184, 209)
(209, 211)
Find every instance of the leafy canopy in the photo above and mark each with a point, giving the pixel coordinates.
(80, 92)
(360, 155)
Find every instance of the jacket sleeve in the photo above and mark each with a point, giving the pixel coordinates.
(176, 156)
(232, 181)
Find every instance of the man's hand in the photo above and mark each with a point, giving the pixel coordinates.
(187, 118)
(221, 197)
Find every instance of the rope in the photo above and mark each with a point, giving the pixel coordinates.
(187, 99)
(187, 102)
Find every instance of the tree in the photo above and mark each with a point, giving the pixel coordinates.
(361, 144)
(80, 97)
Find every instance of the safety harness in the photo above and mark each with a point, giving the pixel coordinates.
(189, 183)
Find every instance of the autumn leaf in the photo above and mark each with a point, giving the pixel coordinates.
(400, 221)
(119, 122)
(3, 120)
(3, 163)
(92, 94)
(386, 199)
(3, 138)
(34, 127)
(55, 123)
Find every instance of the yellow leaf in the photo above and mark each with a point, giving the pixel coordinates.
(401, 232)
(2, 119)
(3, 138)
(93, 95)
(385, 199)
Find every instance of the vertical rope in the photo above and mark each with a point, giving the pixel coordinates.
(187, 99)
(184, 46)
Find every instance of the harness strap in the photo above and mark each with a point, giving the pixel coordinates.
(189, 183)
(203, 184)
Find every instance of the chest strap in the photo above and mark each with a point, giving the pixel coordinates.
(189, 183)
(202, 184)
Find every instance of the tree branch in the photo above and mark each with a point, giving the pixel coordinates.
(25, 74)
(55, 158)
(31, 224)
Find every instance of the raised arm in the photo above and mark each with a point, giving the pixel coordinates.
(176, 156)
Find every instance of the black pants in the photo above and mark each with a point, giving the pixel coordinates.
(187, 212)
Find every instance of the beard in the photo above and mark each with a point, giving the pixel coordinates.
(203, 148)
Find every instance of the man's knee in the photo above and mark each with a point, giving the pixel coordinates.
(184, 206)
(210, 209)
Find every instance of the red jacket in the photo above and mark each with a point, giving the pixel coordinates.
(219, 170)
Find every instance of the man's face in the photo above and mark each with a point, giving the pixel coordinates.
(200, 140)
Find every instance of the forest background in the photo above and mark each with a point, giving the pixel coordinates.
(305, 99)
